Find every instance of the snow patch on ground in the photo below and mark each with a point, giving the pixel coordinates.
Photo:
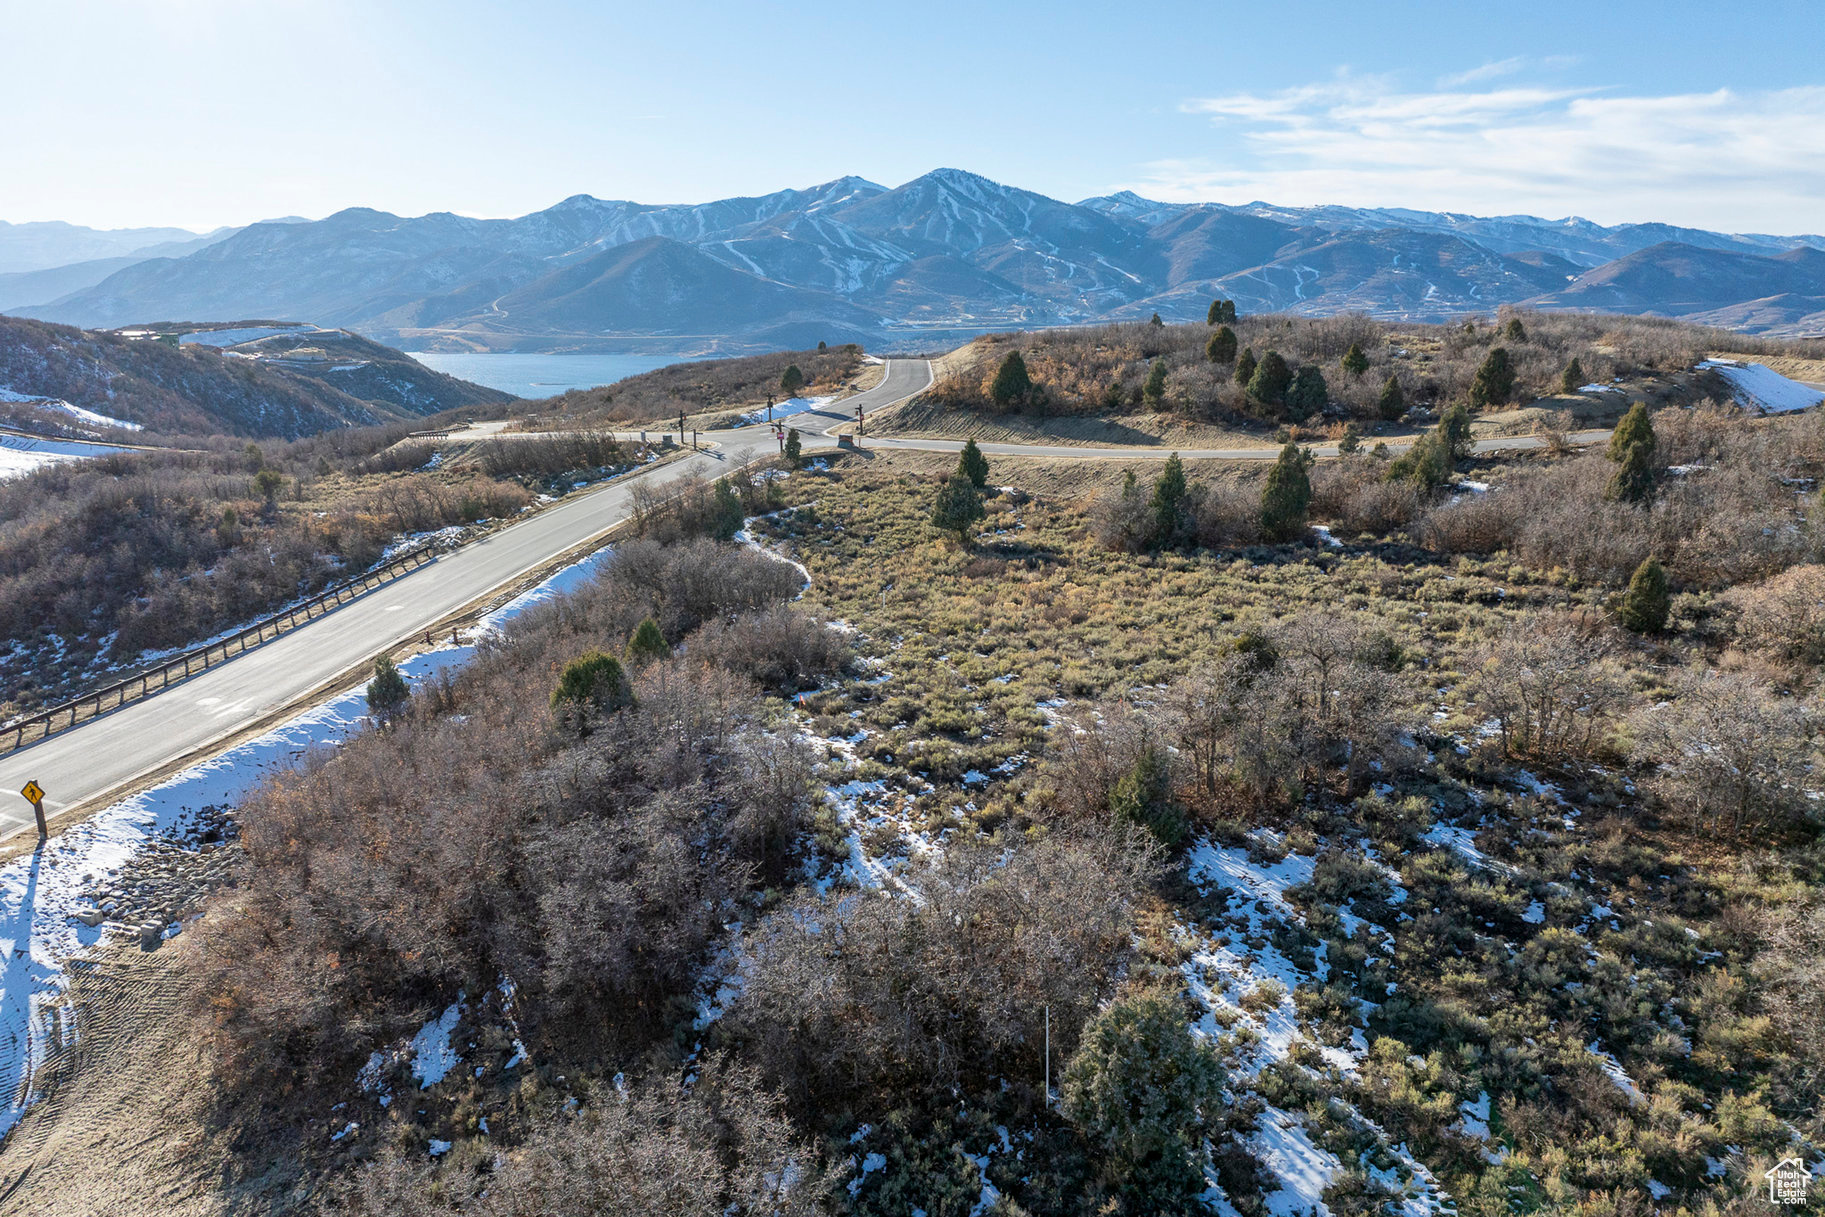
(433, 1055)
(1762, 389)
(22, 454)
(786, 409)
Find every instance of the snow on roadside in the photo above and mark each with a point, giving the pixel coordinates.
(786, 409)
(1761, 388)
(42, 892)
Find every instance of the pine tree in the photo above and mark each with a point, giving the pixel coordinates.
(1307, 394)
(1495, 379)
(1245, 366)
(646, 644)
(795, 451)
(1114, 396)
(1646, 604)
(1572, 379)
(1143, 797)
(958, 507)
(1633, 481)
(1168, 507)
(1286, 497)
(387, 692)
(1351, 443)
(1215, 315)
(1154, 391)
(1222, 346)
(973, 465)
(1012, 384)
(1145, 1093)
(1393, 403)
(791, 381)
(1271, 380)
(1354, 361)
(1636, 428)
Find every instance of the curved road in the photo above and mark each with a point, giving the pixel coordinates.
(106, 755)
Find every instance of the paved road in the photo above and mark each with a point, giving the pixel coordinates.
(109, 753)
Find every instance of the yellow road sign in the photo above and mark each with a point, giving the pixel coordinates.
(32, 792)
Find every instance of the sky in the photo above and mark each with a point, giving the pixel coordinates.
(199, 113)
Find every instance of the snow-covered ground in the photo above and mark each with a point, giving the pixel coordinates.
(41, 893)
(787, 408)
(22, 454)
(1762, 389)
(60, 406)
(228, 338)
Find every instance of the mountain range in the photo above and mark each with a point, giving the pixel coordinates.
(944, 256)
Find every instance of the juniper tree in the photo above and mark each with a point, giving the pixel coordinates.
(1354, 361)
(646, 644)
(591, 682)
(1633, 481)
(1646, 604)
(1222, 346)
(1572, 379)
(1155, 322)
(1635, 429)
(791, 380)
(1286, 496)
(1351, 443)
(1154, 391)
(1168, 506)
(1307, 394)
(1454, 432)
(1143, 797)
(1221, 311)
(727, 517)
(973, 465)
(958, 506)
(1245, 366)
(1515, 331)
(1271, 379)
(387, 692)
(1012, 384)
(1495, 379)
(1392, 403)
(794, 450)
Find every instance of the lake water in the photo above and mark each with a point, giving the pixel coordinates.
(542, 375)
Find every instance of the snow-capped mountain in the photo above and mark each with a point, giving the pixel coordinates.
(948, 253)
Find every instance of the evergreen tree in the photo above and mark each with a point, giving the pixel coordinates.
(1636, 428)
(591, 681)
(1633, 481)
(1012, 384)
(1222, 346)
(1351, 443)
(1515, 331)
(1155, 322)
(1307, 394)
(1354, 361)
(1454, 432)
(973, 465)
(1228, 316)
(1271, 379)
(1495, 379)
(1168, 508)
(795, 451)
(1154, 391)
(1646, 604)
(823, 346)
(646, 644)
(1427, 464)
(1113, 396)
(387, 692)
(1393, 402)
(1572, 379)
(1145, 1094)
(791, 381)
(1286, 497)
(1143, 797)
(958, 507)
(727, 517)
(1245, 366)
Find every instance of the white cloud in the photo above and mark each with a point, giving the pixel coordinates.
(1738, 161)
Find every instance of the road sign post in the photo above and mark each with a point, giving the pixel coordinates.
(34, 794)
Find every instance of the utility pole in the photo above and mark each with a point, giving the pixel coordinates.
(681, 426)
(769, 407)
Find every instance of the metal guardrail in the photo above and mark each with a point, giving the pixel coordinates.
(65, 715)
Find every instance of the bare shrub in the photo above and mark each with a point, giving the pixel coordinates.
(1548, 685)
(1784, 615)
(1727, 750)
(779, 648)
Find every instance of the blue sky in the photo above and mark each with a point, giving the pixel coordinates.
(200, 112)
